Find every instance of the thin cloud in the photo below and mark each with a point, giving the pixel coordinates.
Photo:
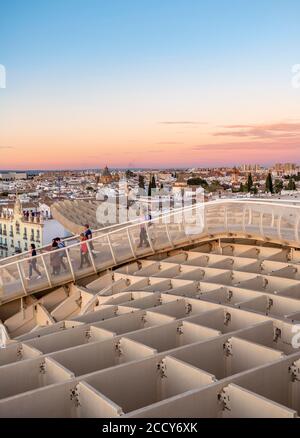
(284, 126)
(268, 131)
(249, 146)
(6, 147)
(185, 122)
(169, 142)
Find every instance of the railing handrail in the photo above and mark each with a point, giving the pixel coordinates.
(211, 220)
(23, 256)
(77, 244)
(133, 221)
(277, 200)
(76, 236)
(173, 212)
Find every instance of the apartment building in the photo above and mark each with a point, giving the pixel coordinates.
(19, 228)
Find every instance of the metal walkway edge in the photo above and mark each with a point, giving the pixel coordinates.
(265, 221)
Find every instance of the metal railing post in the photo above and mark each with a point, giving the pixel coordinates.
(131, 243)
(149, 238)
(21, 278)
(111, 249)
(23, 308)
(91, 256)
(46, 270)
(70, 264)
(244, 220)
(261, 227)
(226, 219)
(250, 216)
(273, 220)
(279, 227)
(205, 217)
(169, 237)
(297, 230)
(184, 228)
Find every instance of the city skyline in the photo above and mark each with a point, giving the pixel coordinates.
(249, 166)
(136, 85)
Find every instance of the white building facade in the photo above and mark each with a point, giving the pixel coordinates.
(18, 231)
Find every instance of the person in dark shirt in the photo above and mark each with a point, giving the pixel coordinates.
(89, 235)
(61, 245)
(55, 258)
(88, 232)
(33, 263)
(143, 231)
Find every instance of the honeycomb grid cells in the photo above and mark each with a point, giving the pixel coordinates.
(199, 333)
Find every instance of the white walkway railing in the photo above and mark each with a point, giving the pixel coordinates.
(266, 221)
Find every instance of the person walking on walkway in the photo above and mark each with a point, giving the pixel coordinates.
(89, 235)
(61, 245)
(33, 263)
(143, 232)
(55, 259)
(84, 251)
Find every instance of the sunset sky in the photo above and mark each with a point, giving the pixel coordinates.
(148, 83)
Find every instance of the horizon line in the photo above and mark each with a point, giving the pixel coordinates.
(78, 169)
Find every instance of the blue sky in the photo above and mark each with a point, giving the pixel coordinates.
(104, 35)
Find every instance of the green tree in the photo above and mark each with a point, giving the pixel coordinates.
(291, 185)
(278, 186)
(215, 186)
(141, 182)
(129, 174)
(242, 188)
(198, 182)
(152, 185)
(269, 184)
(249, 184)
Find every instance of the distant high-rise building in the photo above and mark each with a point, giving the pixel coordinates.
(286, 168)
(250, 167)
(13, 176)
